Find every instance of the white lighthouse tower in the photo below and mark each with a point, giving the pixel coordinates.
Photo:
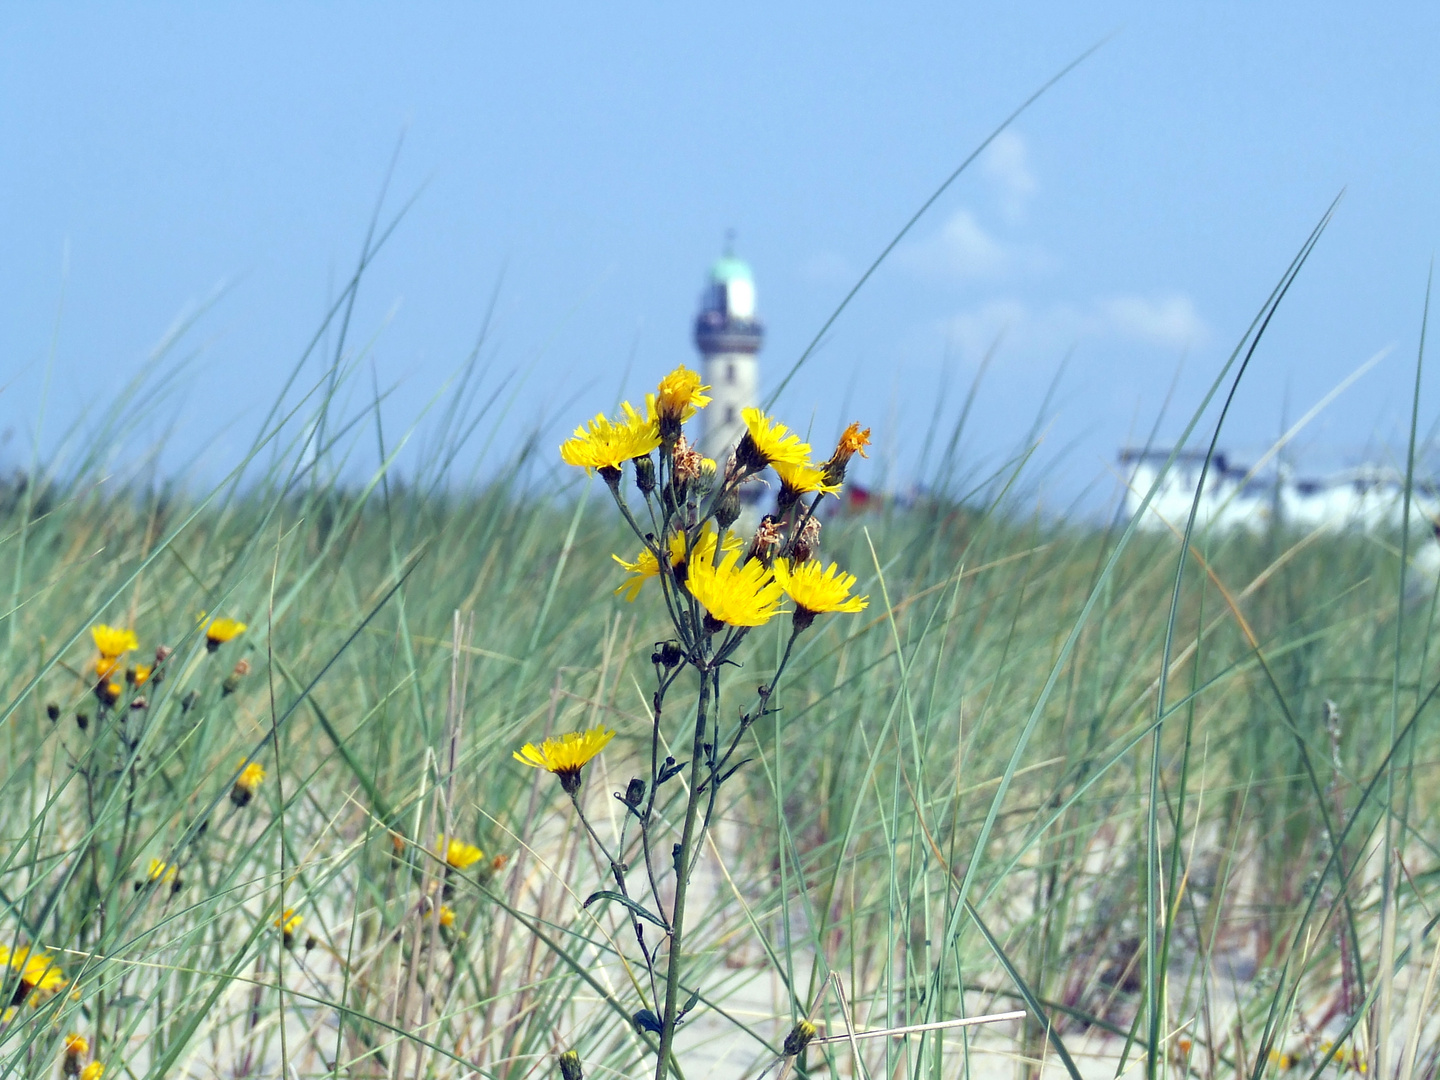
(728, 335)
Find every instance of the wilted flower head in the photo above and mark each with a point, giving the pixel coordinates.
(852, 441)
(567, 755)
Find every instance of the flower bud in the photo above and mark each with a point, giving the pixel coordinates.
(570, 1066)
(645, 474)
(799, 1037)
(727, 509)
(635, 792)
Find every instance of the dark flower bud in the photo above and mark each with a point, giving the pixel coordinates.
(635, 792)
(189, 701)
(727, 509)
(667, 655)
(570, 1066)
(52, 711)
(82, 720)
(645, 474)
(799, 1037)
(310, 943)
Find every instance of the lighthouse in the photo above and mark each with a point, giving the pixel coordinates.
(728, 335)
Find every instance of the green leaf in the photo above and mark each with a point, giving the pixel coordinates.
(608, 894)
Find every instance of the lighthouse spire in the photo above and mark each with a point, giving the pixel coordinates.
(728, 334)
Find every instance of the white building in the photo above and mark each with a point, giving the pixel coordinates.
(1368, 497)
(728, 335)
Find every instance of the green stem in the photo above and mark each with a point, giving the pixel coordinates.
(682, 881)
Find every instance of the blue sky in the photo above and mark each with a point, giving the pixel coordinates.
(581, 164)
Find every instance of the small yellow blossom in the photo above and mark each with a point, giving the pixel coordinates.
(766, 442)
(458, 853)
(77, 1044)
(112, 641)
(105, 666)
(252, 775)
(605, 444)
(447, 915)
(734, 594)
(139, 674)
(222, 630)
(567, 755)
(108, 692)
(93, 1071)
(287, 924)
(160, 871)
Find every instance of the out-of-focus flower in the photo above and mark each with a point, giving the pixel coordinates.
(222, 630)
(458, 853)
(112, 641)
(252, 775)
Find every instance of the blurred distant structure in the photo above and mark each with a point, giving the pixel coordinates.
(728, 335)
(1367, 497)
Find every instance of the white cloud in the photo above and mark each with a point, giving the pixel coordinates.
(1169, 321)
(964, 250)
(1006, 164)
(1163, 320)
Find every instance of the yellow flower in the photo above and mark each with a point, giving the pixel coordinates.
(606, 444)
(112, 641)
(287, 924)
(458, 853)
(567, 755)
(37, 970)
(736, 595)
(646, 566)
(108, 692)
(447, 915)
(161, 871)
(767, 441)
(221, 631)
(105, 666)
(680, 394)
(93, 1071)
(252, 775)
(139, 674)
(800, 479)
(817, 591)
(76, 1044)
